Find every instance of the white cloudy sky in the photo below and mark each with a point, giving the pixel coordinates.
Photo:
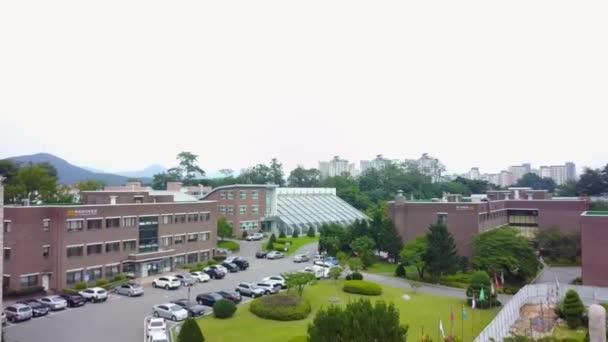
(121, 84)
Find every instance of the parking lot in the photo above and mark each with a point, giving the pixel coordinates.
(120, 318)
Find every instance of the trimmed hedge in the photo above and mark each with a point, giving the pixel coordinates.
(281, 307)
(354, 276)
(362, 287)
(101, 282)
(224, 308)
(229, 245)
(23, 292)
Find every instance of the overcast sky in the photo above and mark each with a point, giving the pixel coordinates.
(119, 85)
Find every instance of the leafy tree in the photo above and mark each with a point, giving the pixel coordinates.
(479, 280)
(90, 185)
(276, 172)
(332, 239)
(304, 178)
(413, 254)
(364, 248)
(263, 174)
(335, 273)
(573, 309)
(555, 244)
(160, 180)
(505, 250)
(188, 165)
(224, 229)
(34, 184)
(298, 281)
(441, 256)
(535, 182)
(342, 258)
(190, 332)
(8, 170)
(385, 236)
(271, 241)
(282, 233)
(355, 264)
(227, 172)
(62, 194)
(568, 189)
(591, 183)
(359, 321)
(347, 188)
(311, 232)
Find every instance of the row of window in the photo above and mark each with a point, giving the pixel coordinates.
(131, 221)
(7, 225)
(229, 209)
(92, 274)
(98, 248)
(229, 194)
(46, 252)
(167, 241)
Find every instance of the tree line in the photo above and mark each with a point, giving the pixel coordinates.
(592, 182)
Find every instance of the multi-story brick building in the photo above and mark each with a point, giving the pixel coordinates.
(133, 232)
(594, 239)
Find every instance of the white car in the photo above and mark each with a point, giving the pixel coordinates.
(255, 237)
(201, 276)
(170, 311)
(158, 336)
(277, 279)
(54, 302)
(274, 255)
(269, 287)
(323, 264)
(318, 271)
(167, 282)
(94, 294)
(301, 258)
(155, 325)
(217, 267)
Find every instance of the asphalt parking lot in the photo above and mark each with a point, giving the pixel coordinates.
(120, 318)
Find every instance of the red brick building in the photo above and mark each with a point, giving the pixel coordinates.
(594, 243)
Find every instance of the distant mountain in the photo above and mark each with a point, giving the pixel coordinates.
(148, 172)
(70, 174)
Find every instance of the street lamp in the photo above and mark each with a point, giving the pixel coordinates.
(189, 295)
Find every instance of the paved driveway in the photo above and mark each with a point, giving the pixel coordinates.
(120, 319)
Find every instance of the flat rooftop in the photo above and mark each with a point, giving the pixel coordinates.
(595, 213)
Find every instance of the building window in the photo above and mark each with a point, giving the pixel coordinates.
(222, 210)
(7, 253)
(192, 237)
(243, 194)
(166, 241)
(230, 194)
(243, 209)
(129, 221)
(94, 249)
(46, 251)
(75, 251)
(442, 218)
(205, 217)
(6, 282)
(7, 226)
(223, 194)
(129, 245)
(112, 247)
(249, 225)
(46, 225)
(93, 224)
(94, 273)
(255, 209)
(75, 225)
(230, 210)
(205, 236)
(179, 260)
(179, 239)
(254, 194)
(166, 219)
(192, 217)
(205, 256)
(29, 281)
(192, 258)
(73, 277)
(112, 271)
(180, 218)
(113, 222)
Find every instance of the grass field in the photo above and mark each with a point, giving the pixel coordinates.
(229, 245)
(296, 243)
(422, 311)
(562, 331)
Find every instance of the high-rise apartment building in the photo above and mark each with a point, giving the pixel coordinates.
(506, 179)
(559, 173)
(519, 171)
(430, 166)
(336, 167)
(378, 163)
(474, 174)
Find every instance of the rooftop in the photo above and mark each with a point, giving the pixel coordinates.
(595, 213)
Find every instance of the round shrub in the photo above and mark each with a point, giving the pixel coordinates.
(119, 277)
(362, 287)
(400, 271)
(224, 308)
(219, 258)
(81, 285)
(101, 282)
(281, 307)
(245, 235)
(356, 276)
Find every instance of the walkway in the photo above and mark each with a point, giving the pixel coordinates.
(565, 275)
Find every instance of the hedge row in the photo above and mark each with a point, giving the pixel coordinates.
(281, 307)
(118, 280)
(23, 292)
(362, 287)
(229, 245)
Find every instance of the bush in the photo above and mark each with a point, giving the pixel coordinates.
(81, 285)
(229, 245)
(23, 292)
(362, 287)
(400, 271)
(311, 232)
(211, 262)
(283, 241)
(101, 282)
(190, 332)
(279, 247)
(577, 281)
(271, 240)
(356, 276)
(219, 258)
(119, 277)
(573, 309)
(282, 233)
(244, 235)
(224, 308)
(281, 307)
(295, 233)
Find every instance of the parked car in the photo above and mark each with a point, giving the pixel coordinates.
(194, 309)
(274, 255)
(213, 273)
(250, 290)
(255, 237)
(3, 318)
(301, 258)
(277, 279)
(232, 268)
(158, 336)
(325, 264)
(209, 298)
(218, 267)
(317, 257)
(170, 311)
(167, 282)
(231, 295)
(332, 260)
(261, 254)
(54, 302)
(73, 299)
(38, 309)
(156, 324)
(241, 262)
(95, 294)
(186, 278)
(318, 271)
(130, 290)
(201, 276)
(18, 312)
(269, 287)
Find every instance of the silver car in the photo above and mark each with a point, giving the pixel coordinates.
(269, 287)
(18, 312)
(130, 290)
(186, 279)
(54, 302)
(170, 311)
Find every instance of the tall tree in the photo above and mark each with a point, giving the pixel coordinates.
(591, 183)
(224, 229)
(384, 234)
(276, 172)
(188, 166)
(304, 178)
(364, 248)
(441, 256)
(227, 172)
(567, 189)
(90, 185)
(8, 170)
(32, 183)
(535, 182)
(259, 174)
(413, 254)
(160, 180)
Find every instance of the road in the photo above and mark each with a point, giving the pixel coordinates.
(565, 275)
(120, 319)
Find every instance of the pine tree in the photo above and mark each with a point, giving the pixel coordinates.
(295, 233)
(271, 241)
(190, 332)
(311, 232)
(282, 234)
(573, 309)
(441, 256)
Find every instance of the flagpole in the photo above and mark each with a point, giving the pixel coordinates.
(462, 325)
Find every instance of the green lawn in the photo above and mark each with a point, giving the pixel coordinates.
(562, 331)
(460, 280)
(296, 243)
(229, 245)
(383, 268)
(422, 311)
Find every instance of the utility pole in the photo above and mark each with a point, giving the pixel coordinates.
(1, 240)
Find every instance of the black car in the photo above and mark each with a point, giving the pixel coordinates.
(194, 310)
(232, 268)
(73, 299)
(38, 309)
(242, 263)
(231, 295)
(214, 274)
(209, 298)
(261, 254)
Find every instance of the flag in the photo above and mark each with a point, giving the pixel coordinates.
(557, 288)
(452, 314)
(473, 302)
(441, 328)
(492, 288)
(502, 277)
(464, 311)
(482, 295)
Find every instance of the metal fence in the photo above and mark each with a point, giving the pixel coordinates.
(500, 327)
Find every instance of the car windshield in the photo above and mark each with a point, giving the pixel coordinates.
(175, 308)
(56, 299)
(25, 309)
(156, 324)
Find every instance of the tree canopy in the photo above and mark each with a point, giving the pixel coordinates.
(304, 178)
(535, 182)
(412, 254)
(441, 256)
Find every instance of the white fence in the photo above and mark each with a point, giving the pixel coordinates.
(500, 327)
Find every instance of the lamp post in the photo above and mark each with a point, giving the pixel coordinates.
(189, 295)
